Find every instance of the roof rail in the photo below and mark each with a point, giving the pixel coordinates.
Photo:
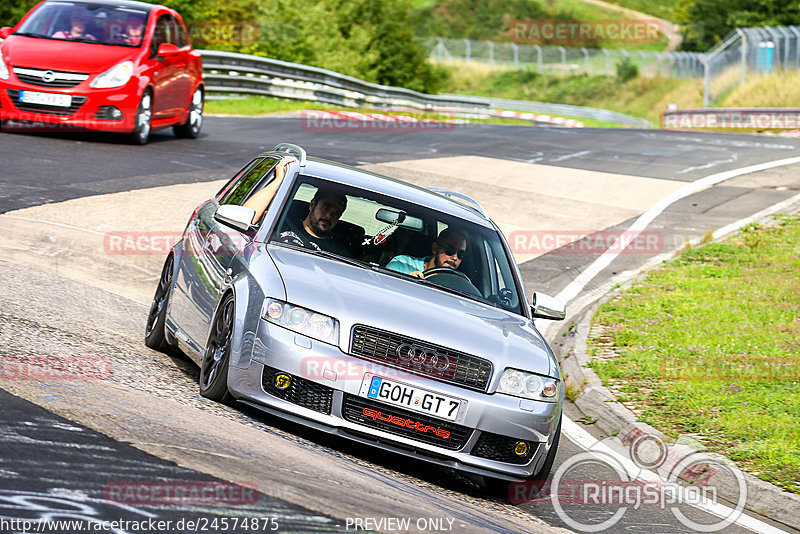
(462, 199)
(289, 148)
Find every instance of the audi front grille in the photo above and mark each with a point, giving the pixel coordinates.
(421, 358)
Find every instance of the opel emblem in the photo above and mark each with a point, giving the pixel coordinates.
(49, 76)
(426, 358)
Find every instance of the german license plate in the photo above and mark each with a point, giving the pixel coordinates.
(410, 397)
(45, 99)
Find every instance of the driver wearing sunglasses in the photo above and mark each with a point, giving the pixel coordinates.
(448, 251)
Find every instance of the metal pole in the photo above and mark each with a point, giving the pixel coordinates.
(538, 58)
(585, 60)
(467, 49)
(796, 33)
(563, 58)
(608, 61)
(515, 48)
(706, 84)
(743, 74)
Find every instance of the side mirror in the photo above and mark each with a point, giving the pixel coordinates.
(547, 307)
(238, 217)
(167, 50)
(5, 31)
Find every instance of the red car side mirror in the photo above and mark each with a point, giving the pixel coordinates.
(167, 50)
(5, 32)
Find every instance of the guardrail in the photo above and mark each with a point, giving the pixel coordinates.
(230, 72)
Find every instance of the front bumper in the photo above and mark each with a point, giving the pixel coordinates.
(324, 394)
(90, 109)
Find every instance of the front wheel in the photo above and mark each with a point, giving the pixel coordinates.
(214, 367)
(144, 115)
(191, 128)
(155, 334)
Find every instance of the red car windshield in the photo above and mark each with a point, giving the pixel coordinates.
(88, 23)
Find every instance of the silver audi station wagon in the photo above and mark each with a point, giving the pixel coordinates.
(366, 307)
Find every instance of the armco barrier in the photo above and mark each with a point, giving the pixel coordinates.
(229, 72)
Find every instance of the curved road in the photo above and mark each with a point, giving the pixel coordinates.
(303, 479)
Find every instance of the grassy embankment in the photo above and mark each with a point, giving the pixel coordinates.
(708, 345)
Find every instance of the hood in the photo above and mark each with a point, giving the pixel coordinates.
(64, 55)
(354, 295)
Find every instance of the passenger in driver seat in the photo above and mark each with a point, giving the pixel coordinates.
(448, 251)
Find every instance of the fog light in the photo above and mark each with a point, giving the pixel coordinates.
(282, 381)
(109, 113)
(521, 448)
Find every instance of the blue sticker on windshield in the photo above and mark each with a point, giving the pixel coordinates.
(374, 386)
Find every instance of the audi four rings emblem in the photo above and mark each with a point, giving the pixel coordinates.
(423, 357)
(48, 76)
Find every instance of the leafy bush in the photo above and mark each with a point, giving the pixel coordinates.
(627, 70)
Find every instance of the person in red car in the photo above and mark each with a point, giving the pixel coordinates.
(78, 22)
(104, 65)
(134, 32)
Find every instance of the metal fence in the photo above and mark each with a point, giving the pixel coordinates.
(744, 52)
(565, 60)
(229, 72)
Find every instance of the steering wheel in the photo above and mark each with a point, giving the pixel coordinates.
(453, 279)
(433, 271)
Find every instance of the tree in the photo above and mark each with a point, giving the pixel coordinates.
(11, 11)
(706, 22)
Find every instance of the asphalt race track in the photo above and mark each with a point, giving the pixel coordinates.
(66, 444)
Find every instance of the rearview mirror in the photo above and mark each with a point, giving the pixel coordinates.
(238, 217)
(167, 50)
(5, 31)
(547, 307)
(400, 219)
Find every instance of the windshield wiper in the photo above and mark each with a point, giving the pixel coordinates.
(26, 34)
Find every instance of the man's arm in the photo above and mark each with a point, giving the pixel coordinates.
(262, 198)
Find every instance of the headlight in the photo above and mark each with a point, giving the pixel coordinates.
(300, 320)
(3, 69)
(528, 385)
(114, 77)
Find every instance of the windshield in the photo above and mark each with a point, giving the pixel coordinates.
(399, 237)
(90, 23)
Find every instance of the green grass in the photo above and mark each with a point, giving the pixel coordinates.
(639, 97)
(262, 105)
(711, 342)
(256, 105)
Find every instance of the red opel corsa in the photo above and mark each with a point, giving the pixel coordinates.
(107, 65)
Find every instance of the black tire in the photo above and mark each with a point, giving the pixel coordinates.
(214, 366)
(144, 116)
(194, 122)
(500, 488)
(155, 331)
